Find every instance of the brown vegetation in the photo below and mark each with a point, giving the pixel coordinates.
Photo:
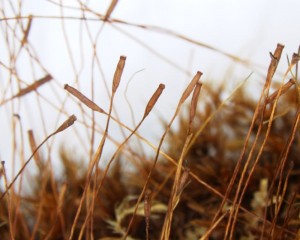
(230, 171)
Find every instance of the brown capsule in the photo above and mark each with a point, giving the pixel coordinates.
(69, 122)
(90, 104)
(190, 87)
(118, 73)
(184, 181)
(194, 101)
(295, 58)
(33, 147)
(154, 99)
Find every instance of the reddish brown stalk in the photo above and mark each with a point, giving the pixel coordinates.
(271, 72)
(181, 178)
(147, 210)
(115, 84)
(63, 127)
(178, 186)
(287, 216)
(213, 227)
(148, 108)
(239, 196)
(284, 158)
(185, 94)
(58, 215)
(285, 151)
(97, 156)
(280, 196)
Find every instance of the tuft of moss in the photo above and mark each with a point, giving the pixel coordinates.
(232, 172)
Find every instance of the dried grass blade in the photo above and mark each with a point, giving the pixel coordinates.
(90, 104)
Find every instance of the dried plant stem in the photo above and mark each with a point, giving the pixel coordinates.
(271, 72)
(283, 89)
(181, 177)
(280, 196)
(184, 96)
(208, 119)
(270, 122)
(147, 211)
(192, 175)
(177, 189)
(26, 32)
(95, 161)
(238, 198)
(111, 8)
(282, 164)
(9, 202)
(59, 216)
(61, 128)
(148, 109)
(115, 84)
(213, 227)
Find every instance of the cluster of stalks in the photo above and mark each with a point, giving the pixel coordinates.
(230, 171)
